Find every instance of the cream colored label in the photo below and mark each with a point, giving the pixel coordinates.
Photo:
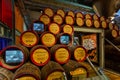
(68, 29)
(61, 12)
(45, 19)
(49, 12)
(80, 22)
(40, 55)
(88, 23)
(114, 33)
(58, 19)
(54, 28)
(78, 71)
(62, 55)
(26, 78)
(69, 20)
(29, 38)
(97, 24)
(79, 54)
(104, 24)
(56, 76)
(48, 39)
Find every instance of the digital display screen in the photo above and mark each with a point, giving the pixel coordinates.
(65, 39)
(13, 56)
(38, 27)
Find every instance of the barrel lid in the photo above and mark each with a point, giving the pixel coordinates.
(69, 20)
(58, 19)
(45, 19)
(29, 38)
(68, 29)
(49, 11)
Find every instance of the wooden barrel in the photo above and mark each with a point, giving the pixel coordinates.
(96, 23)
(14, 56)
(71, 13)
(80, 21)
(53, 71)
(110, 25)
(95, 17)
(54, 28)
(45, 19)
(104, 24)
(38, 27)
(58, 19)
(88, 16)
(64, 39)
(75, 71)
(79, 14)
(78, 53)
(61, 53)
(88, 23)
(5, 74)
(102, 18)
(49, 11)
(27, 72)
(29, 38)
(40, 55)
(69, 20)
(68, 29)
(48, 39)
(61, 12)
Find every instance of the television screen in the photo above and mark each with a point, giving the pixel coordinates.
(64, 39)
(13, 56)
(38, 27)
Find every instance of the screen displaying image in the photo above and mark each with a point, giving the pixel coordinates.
(38, 27)
(64, 39)
(13, 56)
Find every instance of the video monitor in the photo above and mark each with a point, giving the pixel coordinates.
(39, 27)
(13, 56)
(65, 39)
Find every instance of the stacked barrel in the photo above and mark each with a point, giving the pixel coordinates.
(46, 50)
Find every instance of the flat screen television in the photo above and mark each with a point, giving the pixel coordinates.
(13, 56)
(39, 27)
(64, 39)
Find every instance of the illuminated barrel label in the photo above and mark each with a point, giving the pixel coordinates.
(79, 21)
(104, 24)
(62, 55)
(29, 39)
(57, 75)
(49, 12)
(68, 29)
(48, 39)
(54, 28)
(96, 24)
(69, 20)
(78, 74)
(80, 54)
(40, 56)
(79, 14)
(61, 12)
(45, 19)
(71, 13)
(88, 22)
(58, 19)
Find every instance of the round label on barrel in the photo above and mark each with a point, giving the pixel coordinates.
(49, 12)
(2, 77)
(58, 19)
(114, 33)
(79, 14)
(104, 24)
(68, 29)
(71, 13)
(26, 78)
(45, 19)
(54, 28)
(79, 21)
(48, 39)
(78, 73)
(69, 20)
(96, 24)
(29, 38)
(40, 56)
(79, 54)
(61, 12)
(57, 75)
(88, 16)
(88, 23)
(62, 55)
